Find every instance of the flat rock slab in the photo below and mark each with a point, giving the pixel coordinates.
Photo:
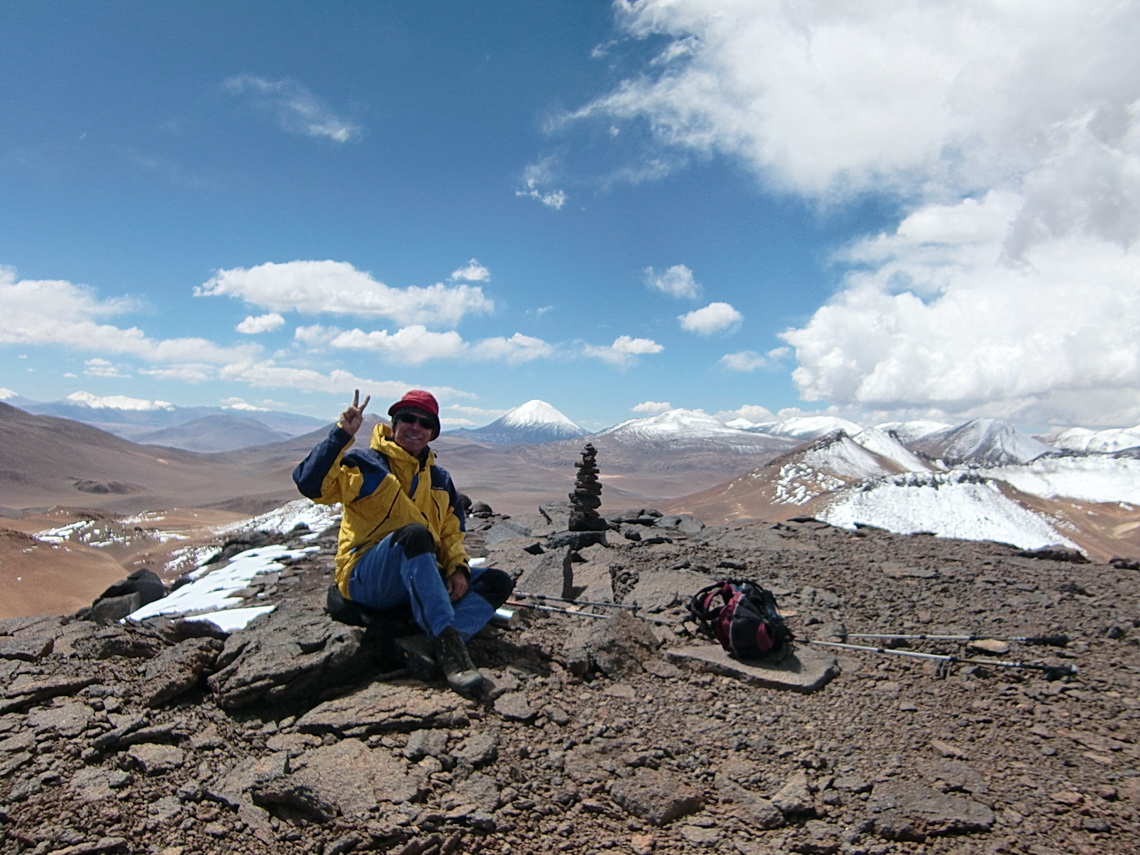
(387, 708)
(804, 670)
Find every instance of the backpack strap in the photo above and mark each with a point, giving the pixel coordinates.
(707, 604)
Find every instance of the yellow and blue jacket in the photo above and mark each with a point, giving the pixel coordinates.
(381, 489)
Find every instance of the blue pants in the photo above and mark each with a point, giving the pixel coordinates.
(386, 577)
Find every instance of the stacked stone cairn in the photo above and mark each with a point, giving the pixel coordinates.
(587, 495)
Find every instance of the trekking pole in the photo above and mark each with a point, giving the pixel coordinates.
(558, 610)
(597, 615)
(1039, 640)
(548, 597)
(1051, 672)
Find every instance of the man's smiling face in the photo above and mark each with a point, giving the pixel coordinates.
(412, 431)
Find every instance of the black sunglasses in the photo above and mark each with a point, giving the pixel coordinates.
(410, 419)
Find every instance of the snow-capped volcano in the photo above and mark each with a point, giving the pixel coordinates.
(530, 424)
(539, 414)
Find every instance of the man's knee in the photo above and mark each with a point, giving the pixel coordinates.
(414, 539)
(493, 585)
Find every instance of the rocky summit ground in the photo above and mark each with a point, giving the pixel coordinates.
(298, 734)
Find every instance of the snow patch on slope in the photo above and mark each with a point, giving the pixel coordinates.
(284, 519)
(1094, 478)
(955, 505)
(887, 447)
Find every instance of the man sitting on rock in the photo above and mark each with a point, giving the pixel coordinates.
(402, 529)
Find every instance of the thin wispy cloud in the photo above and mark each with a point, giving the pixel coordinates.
(623, 351)
(744, 360)
(676, 281)
(537, 183)
(98, 367)
(295, 108)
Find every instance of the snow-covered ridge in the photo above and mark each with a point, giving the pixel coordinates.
(889, 448)
(806, 427)
(1103, 441)
(981, 441)
(116, 402)
(673, 423)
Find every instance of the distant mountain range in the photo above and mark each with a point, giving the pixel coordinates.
(536, 423)
(218, 432)
(159, 423)
(980, 480)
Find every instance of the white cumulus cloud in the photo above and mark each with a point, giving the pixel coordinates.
(255, 324)
(713, 318)
(514, 350)
(413, 344)
(71, 321)
(472, 271)
(1048, 339)
(336, 287)
(652, 407)
(1008, 134)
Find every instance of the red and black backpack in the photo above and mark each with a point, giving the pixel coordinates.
(744, 619)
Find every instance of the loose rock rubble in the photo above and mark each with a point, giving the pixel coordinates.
(299, 734)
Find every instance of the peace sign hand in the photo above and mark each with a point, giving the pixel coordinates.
(353, 415)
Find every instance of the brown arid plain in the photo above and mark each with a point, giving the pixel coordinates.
(157, 500)
(56, 472)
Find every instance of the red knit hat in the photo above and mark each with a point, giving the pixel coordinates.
(418, 399)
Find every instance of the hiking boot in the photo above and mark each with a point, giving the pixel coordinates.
(451, 655)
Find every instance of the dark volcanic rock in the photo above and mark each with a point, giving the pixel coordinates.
(294, 653)
(298, 734)
(910, 812)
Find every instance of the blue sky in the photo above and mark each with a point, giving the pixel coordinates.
(750, 208)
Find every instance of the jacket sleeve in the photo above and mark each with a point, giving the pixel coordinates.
(317, 476)
(452, 554)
